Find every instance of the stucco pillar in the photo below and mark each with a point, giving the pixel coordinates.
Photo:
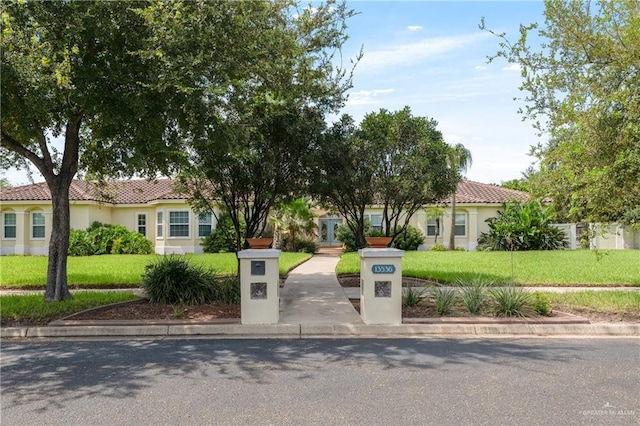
(473, 228)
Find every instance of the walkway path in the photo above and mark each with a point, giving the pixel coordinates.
(312, 295)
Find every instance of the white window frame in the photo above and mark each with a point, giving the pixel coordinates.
(431, 224)
(159, 224)
(464, 217)
(14, 225)
(208, 223)
(379, 228)
(146, 223)
(43, 225)
(187, 223)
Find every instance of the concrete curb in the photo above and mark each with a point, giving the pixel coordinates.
(326, 330)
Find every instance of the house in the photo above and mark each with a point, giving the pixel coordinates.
(155, 210)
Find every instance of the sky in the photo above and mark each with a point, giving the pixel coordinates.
(432, 57)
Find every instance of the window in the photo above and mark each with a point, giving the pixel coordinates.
(179, 224)
(375, 220)
(37, 225)
(433, 227)
(461, 224)
(141, 223)
(204, 225)
(159, 225)
(9, 225)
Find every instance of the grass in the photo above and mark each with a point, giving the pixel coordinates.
(598, 301)
(110, 271)
(33, 309)
(533, 268)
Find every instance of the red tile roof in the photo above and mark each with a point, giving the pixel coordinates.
(138, 191)
(135, 191)
(470, 192)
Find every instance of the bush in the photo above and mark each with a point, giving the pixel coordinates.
(522, 227)
(541, 304)
(409, 239)
(437, 247)
(445, 297)
(228, 290)
(132, 243)
(306, 246)
(172, 279)
(348, 238)
(223, 239)
(512, 302)
(100, 238)
(79, 244)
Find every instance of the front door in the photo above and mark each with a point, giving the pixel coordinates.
(328, 230)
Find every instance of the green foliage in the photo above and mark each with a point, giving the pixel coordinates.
(522, 227)
(540, 303)
(392, 158)
(437, 247)
(346, 236)
(172, 279)
(228, 290)
(294, 224)
(474, 294)
(223, 238)
(579, 91)
(305, 246)
(132, 243)
(412, 296)
(445, 298)
(102, 238)
(409, 239)
(511, 301)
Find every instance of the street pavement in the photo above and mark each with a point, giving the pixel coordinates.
(431, 381)
(313, 304)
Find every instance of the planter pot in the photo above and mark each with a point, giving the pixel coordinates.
(378, 242)
(260, 243)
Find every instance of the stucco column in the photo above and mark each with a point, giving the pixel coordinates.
(22, 232)
(473, 228)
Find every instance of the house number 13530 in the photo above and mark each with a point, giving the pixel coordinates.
(383, 269)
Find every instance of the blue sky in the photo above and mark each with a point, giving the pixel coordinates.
(431, 56)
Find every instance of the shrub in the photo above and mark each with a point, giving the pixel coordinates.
(437, 247)
(522, 227)
(511, 302)
(306, 246)
(445, 297)
(474, 295)
(412, 296)
(409, 239)
(79, 244)
(132, 243)
(100, 238)
(223, 239)
(541, 304)
(228, 290)
(172, 279)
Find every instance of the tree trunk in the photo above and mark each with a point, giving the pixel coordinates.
(57, 289)
(452, 236)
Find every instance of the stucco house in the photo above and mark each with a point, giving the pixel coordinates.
(155, 210)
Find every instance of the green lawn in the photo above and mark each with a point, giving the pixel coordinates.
(563, 268)
(32, 309)
(598, 301)
(111, 271)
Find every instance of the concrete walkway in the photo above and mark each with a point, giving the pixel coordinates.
(312, 295)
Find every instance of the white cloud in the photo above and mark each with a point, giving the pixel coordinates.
(366, 97)
(512, 67)
(411, 53)
(414, 27)
(480, 67)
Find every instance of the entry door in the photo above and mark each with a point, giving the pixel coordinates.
(328, 228)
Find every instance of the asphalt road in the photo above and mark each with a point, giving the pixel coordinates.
(321, 381)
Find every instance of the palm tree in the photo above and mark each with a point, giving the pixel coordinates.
(458, 159)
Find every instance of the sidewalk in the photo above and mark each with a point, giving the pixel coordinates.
(313, 304)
